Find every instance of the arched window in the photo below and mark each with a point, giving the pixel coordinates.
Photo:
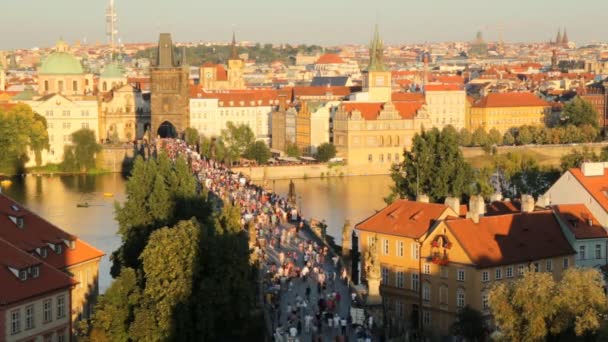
(75, 86)
(46, 85)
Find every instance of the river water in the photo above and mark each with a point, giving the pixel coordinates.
(55, 198)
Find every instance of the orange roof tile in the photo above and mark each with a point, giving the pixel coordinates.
(404, 218)
(13, 289)
(443, 87)
(239, 98)
(448, 79)
(369, 110)
(503, 207)
(407, 110)
(511, 100)
(511, 239)
(38, 233)
(580, 221)
(597, 186)
(329, 58)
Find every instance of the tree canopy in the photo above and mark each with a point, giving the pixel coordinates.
(536, 306)
(81, 156)
(21, 130)
(325, 152)
(259, 152)
(236, 138)
(579, 112)
(434, 166)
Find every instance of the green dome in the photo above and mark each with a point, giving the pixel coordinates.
(112, 70)
(61, 63)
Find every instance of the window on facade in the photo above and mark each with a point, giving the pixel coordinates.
(520, 270)
(396, 157)
(385, 275)
(61, 336)
(398, 308)
(549, 266)
(400, 248)
(444, 272)
(49, 113)
(381, 157)
(47, 311)
(460, 274)
(385, 246)
(427, 269)
(510, 272)
(35, 272)
(370, 157)
(415, 281)
(29, 317)
(15, 322)
(460, 298)
(485, 276)
(581, 252)
(400, 279)
(84, 125)
(415, 251)
(60, 86)
(60, 306)
(388, 157)
(498, 274)
(426, 318)
(66, 113)
(536, 266)
(443, 294)
(566, 263)
(426, 292)
(84, 113)
(75, 85)
(46, 85)
(598, 251)
(23, 275)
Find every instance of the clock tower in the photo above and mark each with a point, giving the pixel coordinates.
(376, 79)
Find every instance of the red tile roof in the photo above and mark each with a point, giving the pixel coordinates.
(239, 98)
(418, 97)
(329, 58)
(511, 100)
(404, 218)
(511, 239)
(371, 110)
(503, 207)
(443, 87)
(597, 186)
(12, 289)
(38, 233)
(580, 221)
(452, 79)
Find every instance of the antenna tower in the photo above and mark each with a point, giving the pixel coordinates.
(111, 27)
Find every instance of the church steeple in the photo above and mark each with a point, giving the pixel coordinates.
(234, 54)
(376, 53)
(565, 38)
(558, 39)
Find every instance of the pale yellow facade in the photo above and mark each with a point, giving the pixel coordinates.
(505, 118)
(124, 115)
(85, 293)
(446, 108)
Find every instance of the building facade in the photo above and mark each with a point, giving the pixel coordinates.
(64, 116)
(125, 114)
(504, 111)
(62, 73)
(446, 105)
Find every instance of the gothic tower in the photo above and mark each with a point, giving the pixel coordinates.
(235, 68)
(558, 38)
(564, 41)
(376, 79)
(169, 91)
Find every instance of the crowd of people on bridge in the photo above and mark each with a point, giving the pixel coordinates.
(306, 290)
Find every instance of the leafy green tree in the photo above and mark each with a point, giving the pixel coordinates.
(571, 134)
(81, 156)
(259, 152)
(604, 154)
(170, 261)
(508, 139)
(589, 133)
(191, 136)
(556, 135)
(465, 138)
(205, 146)
(434, 166)
(480, 137)
(579, 112)
(236, 138)
(524, 136)
(469, 324)
(114, 310)
(292, 150)
(21, 130)
(325, 152)
(577, 157)
(519, 173)
(494, 137)
(542, 136)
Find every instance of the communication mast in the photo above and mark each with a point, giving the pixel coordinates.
(111, 27)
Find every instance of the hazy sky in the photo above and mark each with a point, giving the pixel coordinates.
(29, 23)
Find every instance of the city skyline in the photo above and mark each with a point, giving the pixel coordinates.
(313, 22)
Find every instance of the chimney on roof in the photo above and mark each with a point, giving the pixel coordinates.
(543, 201)
(477, 208)
(593, 169)
(496, 197)
(454, 203)
(527, 203)
(422, 198)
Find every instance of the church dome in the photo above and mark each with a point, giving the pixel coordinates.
(112, 70)
(61, 62)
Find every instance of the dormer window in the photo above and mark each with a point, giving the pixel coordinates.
(23, 275)
(43, 252)
(58, 249)
(15, 207)
(20, 223)
(35, 272)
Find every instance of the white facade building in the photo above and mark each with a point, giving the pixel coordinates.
(446, 105)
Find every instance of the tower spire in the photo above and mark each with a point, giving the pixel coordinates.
(376, 52)
(234, 54)
(111, 29)
(565, 38)
(558, 39)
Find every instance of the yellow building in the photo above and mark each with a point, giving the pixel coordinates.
(434, 263)
(215, 77)
(503, 111)
(303, 129)
(62, 73)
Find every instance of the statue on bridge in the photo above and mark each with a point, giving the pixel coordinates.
(291, 195)
(347, 231)
(372, 264)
